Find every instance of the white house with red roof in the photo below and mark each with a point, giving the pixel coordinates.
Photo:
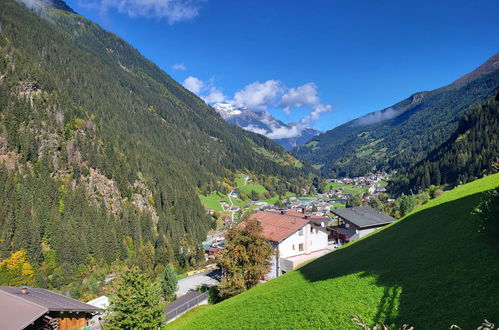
(295, 237)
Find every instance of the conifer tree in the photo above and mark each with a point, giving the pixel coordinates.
(136, 303)
(169, 282)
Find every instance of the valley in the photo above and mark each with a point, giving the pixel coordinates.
(134, 195)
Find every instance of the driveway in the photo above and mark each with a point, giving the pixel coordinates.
(193, 282)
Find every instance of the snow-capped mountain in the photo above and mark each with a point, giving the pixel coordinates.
(261, 122)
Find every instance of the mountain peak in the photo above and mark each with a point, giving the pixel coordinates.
(262, 122)
(489, 66)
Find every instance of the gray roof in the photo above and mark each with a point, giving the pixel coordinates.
(17, 313)
(364, 216)
(53, 302)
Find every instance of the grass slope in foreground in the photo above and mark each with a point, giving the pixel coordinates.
(432, 269)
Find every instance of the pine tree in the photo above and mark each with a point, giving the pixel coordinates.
(169, 282)
(136, 303)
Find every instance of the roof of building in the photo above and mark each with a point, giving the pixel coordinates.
(364, 216)
(18, 313)
(49, 300)
(277, 226)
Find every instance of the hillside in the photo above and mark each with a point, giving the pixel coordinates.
(404, 133)
(466, 156)
(431, 269)
(102, 153)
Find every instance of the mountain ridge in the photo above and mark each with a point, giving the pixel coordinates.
(99, 142)
(402, 134)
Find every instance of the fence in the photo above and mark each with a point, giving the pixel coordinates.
(186, 306)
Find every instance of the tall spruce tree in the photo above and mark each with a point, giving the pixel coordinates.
(136, 304)
(169, 282)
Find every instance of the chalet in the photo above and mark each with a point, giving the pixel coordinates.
(294, 237)
(34, 308)
(102, 303)
(357, 222)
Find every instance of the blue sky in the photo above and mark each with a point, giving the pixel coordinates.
(319, 62)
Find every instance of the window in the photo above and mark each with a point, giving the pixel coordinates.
(300, 247)
(300, 232)
(311, 230)
(294, 247)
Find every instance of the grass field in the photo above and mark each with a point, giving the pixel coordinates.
(274, 199)
(431, 269)
(249, 186)
(347, 188)
(212, 201)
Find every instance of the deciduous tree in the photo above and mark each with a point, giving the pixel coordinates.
(245, 259)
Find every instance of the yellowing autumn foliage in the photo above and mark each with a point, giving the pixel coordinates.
(16, 270)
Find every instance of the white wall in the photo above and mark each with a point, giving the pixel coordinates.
(364, 232)
(312, 240)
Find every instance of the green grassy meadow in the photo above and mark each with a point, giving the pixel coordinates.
(347, 188)
(431, 269)
(212, 201)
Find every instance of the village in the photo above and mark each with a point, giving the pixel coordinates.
(299, 229)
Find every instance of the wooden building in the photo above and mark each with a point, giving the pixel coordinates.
(34, 308)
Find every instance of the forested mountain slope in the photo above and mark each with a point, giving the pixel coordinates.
(425, 270)
(101, 152)
(466, 156)
(403, 134)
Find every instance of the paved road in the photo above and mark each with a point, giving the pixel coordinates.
(194, 281)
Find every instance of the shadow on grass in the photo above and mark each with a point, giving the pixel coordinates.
(434, 265)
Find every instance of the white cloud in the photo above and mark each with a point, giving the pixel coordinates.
(259, 96)
(215, 95)
(284, 132)
(316, 113)
(305, 95)
(34, 5)
(193, 84)
(179, 67)
(256, 129)
(172, 10)
(376, 117)
(204, 89)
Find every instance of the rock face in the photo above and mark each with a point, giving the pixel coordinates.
(261, 122)
(102, 190)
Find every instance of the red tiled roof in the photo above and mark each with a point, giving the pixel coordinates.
(276, 226)
(303, 215)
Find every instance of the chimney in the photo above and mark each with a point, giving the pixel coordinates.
(24, 289)
(282, 211)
